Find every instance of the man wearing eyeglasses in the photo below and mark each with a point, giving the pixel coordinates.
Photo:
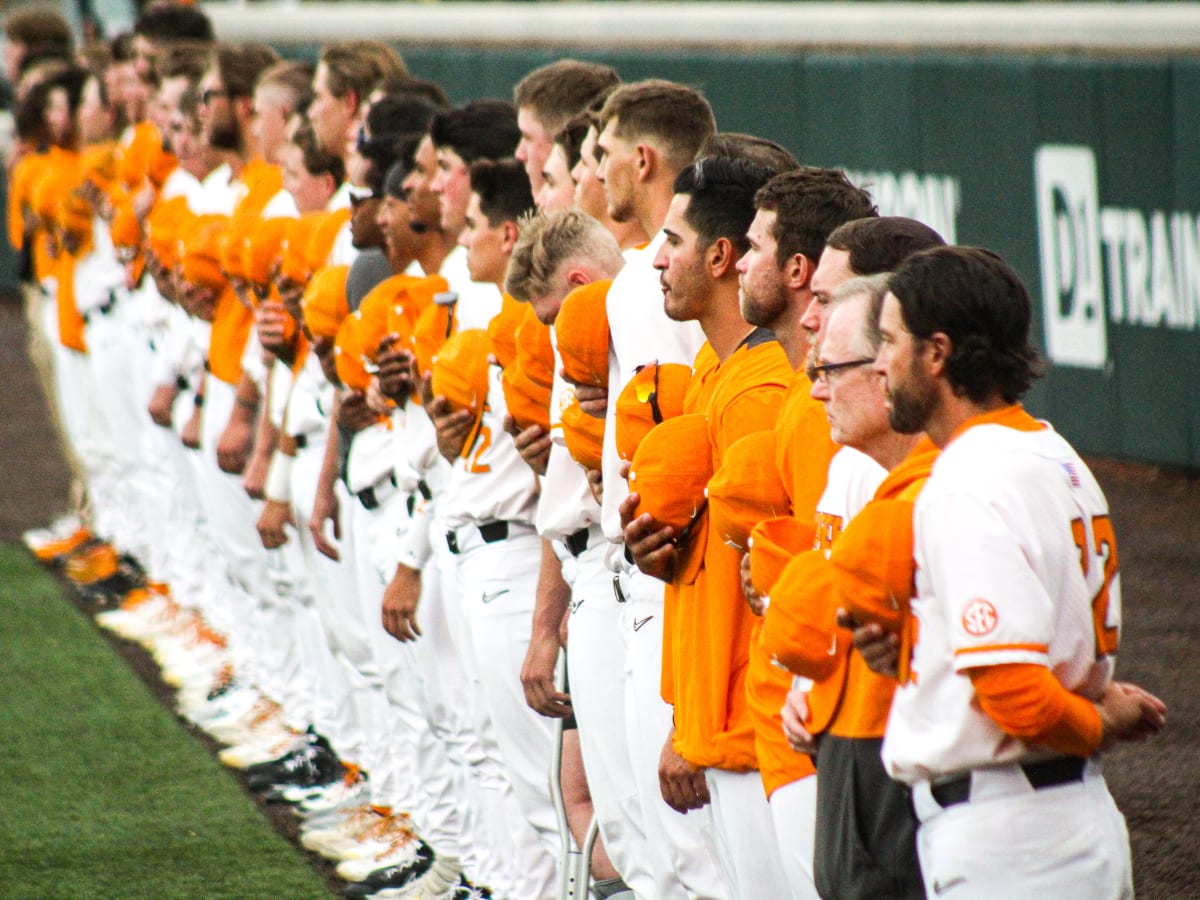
(864, 843)
(786, 283)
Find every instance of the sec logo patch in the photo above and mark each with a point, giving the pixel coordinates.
(979, 618)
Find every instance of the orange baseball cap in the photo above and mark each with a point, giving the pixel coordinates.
(395, 304)
(99, 162)
(324, 302)
(348, 354)
(55, 183)
(135, 156)
(502, 329)
(583, 435)
(528, 402)
(535, 354)
(873, 566)
(434, 326)
(294, 262)
(323, 236)
(581, 330)
(201, 257)
(125, 228)
(670, 470)
(234, 244)
(372, 321)
(165, 223)
(160, 166)
(460, 374)
(75, 214)
(264, 250)
(773, 544)
(746, 489)
(801, 620)
(654, 395)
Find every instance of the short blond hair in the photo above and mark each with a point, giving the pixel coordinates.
(548, 240)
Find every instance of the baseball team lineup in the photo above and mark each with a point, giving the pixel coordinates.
(559, 477)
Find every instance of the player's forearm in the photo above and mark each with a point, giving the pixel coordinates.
(1029, 703)
(553, 595)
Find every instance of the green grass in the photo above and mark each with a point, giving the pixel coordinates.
(102, 793)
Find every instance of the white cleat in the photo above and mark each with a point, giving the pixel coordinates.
(403, 851)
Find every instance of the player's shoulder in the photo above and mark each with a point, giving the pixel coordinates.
(992, 459)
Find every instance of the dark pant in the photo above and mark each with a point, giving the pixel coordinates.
(866, 845)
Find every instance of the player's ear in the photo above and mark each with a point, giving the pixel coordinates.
(647, 162)
(510, 236)
(722, 257)
(938, 349)
(798, 272)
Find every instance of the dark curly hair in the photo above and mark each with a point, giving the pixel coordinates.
(975, 298)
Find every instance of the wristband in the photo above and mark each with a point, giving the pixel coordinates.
(279, 478)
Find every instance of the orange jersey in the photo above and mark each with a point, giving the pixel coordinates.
(707, 624)
(803, 450)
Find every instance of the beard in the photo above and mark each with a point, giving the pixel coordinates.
(763, 311)
(911, 405)
(224, 135)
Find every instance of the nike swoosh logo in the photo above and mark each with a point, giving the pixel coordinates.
(575, 604)
(489, 597)
(940, 887)
(638, 623)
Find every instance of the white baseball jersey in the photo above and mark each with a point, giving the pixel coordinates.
(493, 482)
(851, 484)
(566, 503)
(1016, 563)
(478, 301)
(220, 195)
(641, 333)
(182, 183)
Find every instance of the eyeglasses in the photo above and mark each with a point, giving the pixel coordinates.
(822, 371)
(212, 94)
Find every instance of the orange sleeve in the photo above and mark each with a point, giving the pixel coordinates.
(1029, 703)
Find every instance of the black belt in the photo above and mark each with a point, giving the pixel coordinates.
(491, 532)
(367, 496)
(104, 308)
(424, 491)
(1051, 773)
(577, 542)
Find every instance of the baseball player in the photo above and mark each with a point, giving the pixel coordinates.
(549, 97)
(1008, 694)
(555, 254)
(648, 132)
(863, 840)
(739, 380)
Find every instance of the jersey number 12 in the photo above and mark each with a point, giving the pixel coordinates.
(1103, 549)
